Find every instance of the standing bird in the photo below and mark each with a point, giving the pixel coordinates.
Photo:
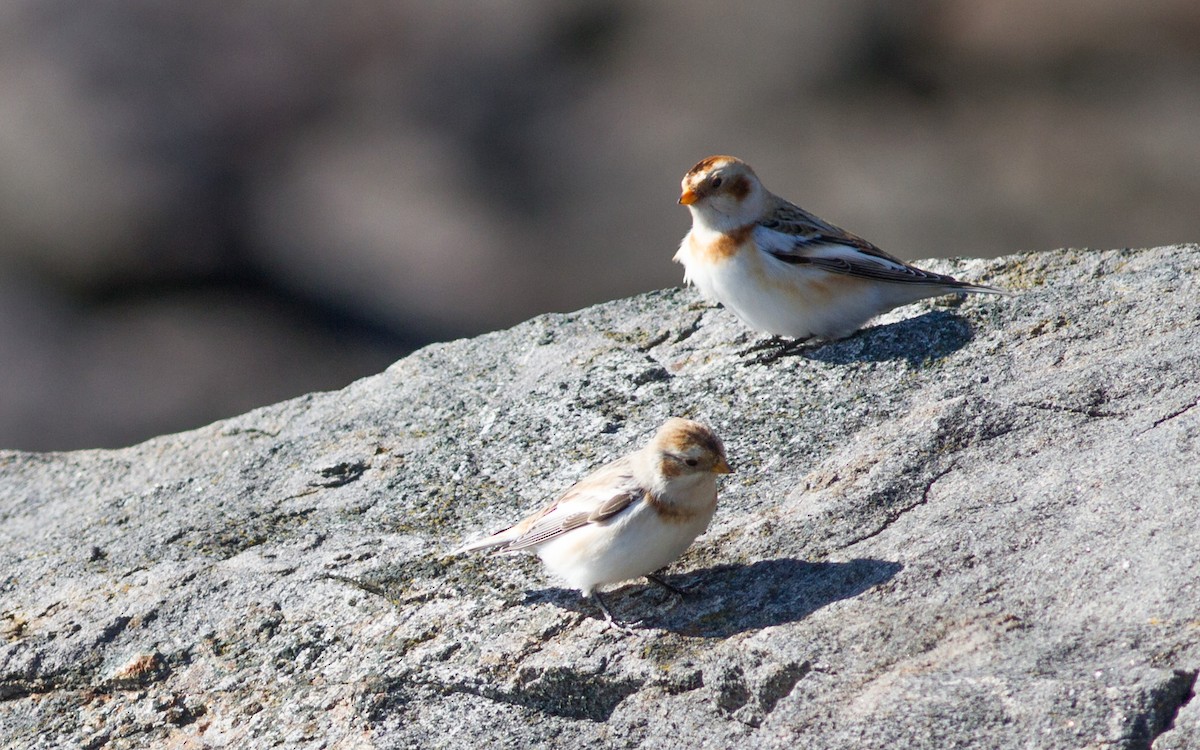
(628, 518)
(781, 269)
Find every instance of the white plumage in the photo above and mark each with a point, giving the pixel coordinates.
(630, 517)
(784, 271)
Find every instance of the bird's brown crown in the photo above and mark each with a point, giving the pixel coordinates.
(719, 174)
(687, 439)
(704, 165)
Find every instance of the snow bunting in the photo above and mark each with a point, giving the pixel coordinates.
(628, 518)
(781, 269)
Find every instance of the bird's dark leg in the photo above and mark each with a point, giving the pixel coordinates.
(773, 348)
(652, 578)
(773, 342)
(609, 618)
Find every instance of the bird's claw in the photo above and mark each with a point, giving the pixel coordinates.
(773, 349)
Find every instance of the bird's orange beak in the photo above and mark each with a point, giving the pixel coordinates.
(722, 466)
(689, 197)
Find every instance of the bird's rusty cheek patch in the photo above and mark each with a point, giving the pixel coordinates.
(670, 468)
(739, 188)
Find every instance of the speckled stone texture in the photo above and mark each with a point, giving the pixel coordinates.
(972, 524)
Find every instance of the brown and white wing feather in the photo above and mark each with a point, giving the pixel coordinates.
(596, 498)
(794, 236)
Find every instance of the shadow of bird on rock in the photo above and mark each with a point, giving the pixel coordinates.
(917, 341)
(728, 599)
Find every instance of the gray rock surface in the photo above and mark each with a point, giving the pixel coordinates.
(970, 525)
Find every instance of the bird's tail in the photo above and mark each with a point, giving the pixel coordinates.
(981, 289)
(499, 539)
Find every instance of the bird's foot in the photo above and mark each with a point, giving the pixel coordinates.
(676, 590)
(627, 628)
(774, 348)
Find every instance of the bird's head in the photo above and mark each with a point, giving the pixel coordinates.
(723, 193)
(683, 447)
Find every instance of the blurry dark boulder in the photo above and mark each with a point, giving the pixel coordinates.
(393, 174)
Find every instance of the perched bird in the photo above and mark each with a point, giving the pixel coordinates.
(781, 269)
(628, 518)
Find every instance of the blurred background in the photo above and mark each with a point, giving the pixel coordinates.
(206, 207)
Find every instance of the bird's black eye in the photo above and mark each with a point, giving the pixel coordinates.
(692, 462)
(716, 183)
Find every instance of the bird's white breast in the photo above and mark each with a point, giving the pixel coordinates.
(775, 297)
(636, 542)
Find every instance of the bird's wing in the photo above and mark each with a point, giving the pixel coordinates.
(795, 236)
(598, 497)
